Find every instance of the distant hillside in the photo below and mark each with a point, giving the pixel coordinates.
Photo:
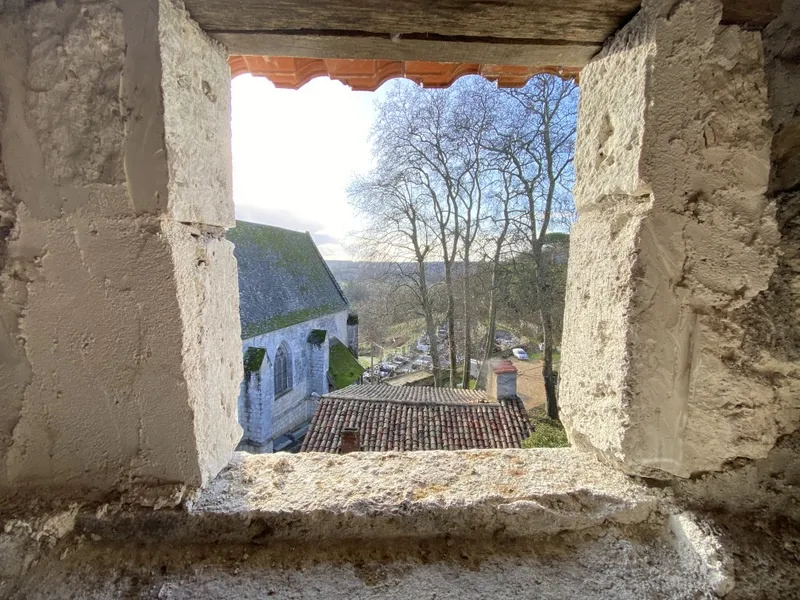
(556, 244)
(351, 270)
(346, 270)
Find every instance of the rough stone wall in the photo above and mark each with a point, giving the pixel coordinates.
(119, 328)
(663, 372)
(352, 338)
(262, 416)
(771, 336)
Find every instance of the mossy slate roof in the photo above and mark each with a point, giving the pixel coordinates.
(283, 279)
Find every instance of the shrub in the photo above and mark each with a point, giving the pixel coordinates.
(548, 433)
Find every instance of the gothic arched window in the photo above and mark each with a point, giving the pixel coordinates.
(283, 370)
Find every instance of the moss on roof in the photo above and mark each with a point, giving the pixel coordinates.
(253, 359)
(283, 279)
(286, 320)
(317, 337)
(344, 367)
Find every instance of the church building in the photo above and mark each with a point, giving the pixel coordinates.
(299, 339)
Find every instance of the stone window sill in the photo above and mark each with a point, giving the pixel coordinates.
(391, 503)
(478, 493)
(282, 394)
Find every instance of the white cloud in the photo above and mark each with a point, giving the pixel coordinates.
(294, 153)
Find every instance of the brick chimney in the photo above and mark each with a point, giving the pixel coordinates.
(502, 380)
(351, 441)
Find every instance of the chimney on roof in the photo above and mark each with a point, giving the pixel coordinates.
(502, 381)
(351, 441)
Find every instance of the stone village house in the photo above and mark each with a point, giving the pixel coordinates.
(295, 321)
(121, 348)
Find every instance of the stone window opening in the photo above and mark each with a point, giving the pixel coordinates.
(283, 370)
(619, 171)
(277, 71)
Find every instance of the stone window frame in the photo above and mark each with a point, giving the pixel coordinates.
(587, 427)
(283, 370)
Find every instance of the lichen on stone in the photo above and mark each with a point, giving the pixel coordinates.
(253, 359)
(317, 337)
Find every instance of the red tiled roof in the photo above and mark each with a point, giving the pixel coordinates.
(368, 75)
(391, 418)
(409, 393)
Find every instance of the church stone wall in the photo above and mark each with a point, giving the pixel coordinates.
(261, 415)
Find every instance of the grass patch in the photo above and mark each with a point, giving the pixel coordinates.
(549, 433)
(343, 366)
(540, 356)
(444, 379)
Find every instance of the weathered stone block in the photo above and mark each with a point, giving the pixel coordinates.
(177, 90)
(195, 82)
(207, 293)
(120, 331)
(105, 398)
(675, 236)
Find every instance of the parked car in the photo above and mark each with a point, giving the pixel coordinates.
(519, 354)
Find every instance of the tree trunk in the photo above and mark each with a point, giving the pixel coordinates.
(430, 328)
(547, 367)
(492, 328)
(430, 325)
(451, 325)
(547, 334)
(467, 324)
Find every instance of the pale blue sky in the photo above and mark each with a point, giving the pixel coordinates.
(294, 153)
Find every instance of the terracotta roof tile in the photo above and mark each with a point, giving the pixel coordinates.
(368, 75)
(391, 418)
(408, 393)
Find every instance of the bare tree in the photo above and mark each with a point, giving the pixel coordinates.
(501, 219)
(416, 129)
(476, 101)
(395, 233)
(475, 169)
(538, 140)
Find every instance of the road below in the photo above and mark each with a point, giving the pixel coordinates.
(530, 385)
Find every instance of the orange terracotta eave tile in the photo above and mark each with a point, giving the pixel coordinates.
(368, 75)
